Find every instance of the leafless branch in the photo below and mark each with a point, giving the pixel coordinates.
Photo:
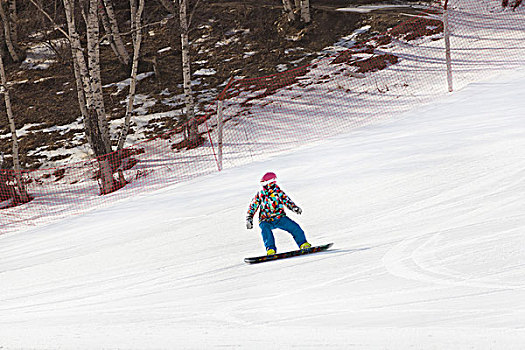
(50, 19)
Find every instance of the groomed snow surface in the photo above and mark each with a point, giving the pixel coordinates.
(426, 212)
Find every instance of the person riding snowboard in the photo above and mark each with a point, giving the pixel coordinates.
(271, 201)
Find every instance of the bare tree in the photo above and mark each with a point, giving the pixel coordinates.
(38, 5)
(305, 11)
(21, 192)
(192, 132)
(93, 55)
(8, 32)
(86, 64)
(89, 89)
(13, 20)
(299, 7)
(107, 15)
(136, 33)
(288, 10)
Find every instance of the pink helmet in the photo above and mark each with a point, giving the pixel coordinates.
(268, 178)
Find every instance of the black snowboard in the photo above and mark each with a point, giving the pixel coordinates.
(263, 258)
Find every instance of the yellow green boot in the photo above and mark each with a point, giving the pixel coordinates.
(305, 245)
(270, 251)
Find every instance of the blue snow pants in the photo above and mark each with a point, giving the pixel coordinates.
(283, 223)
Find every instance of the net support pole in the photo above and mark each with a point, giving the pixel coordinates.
(219, 127)
(446, 32)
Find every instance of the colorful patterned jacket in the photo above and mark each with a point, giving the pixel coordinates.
(270, 201)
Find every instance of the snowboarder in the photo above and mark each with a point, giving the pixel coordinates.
(271, 201)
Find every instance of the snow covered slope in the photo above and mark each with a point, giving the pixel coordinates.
(426, 212)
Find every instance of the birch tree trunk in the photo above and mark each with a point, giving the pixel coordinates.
(7, 34)
(76, 47)
(22, 193)
(93, 55)
(136, 23)
(13, 20)
(107, 28)
(90, 90)
(305, 11)
(111, 27)
(186, 72)
(288, 10)
(93, 52)
(83, 8)
(82, 102)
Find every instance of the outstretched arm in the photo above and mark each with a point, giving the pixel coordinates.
(252, 209)
(289, 203)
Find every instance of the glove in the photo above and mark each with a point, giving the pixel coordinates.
(249, 223)
(297, 210)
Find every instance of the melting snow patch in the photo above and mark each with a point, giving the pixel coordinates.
(164, 49)
(19, 82)
(281, 67)
(226, 42)
(42, 80)
(42, 55)
(125, 83)
(205, 71)
(144, 101)
(20, 132)
(346, 42)
(293, 49)
(173, 101)
(237, 31)
(370, 8)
